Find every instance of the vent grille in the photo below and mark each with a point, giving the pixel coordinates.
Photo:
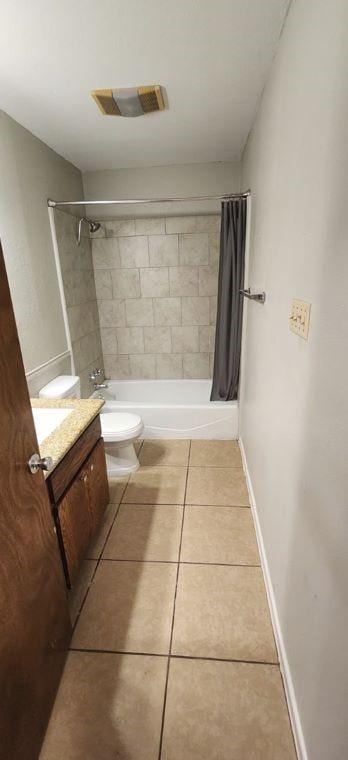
(149, 97)
(149, 100)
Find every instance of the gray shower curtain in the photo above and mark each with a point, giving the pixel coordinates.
(228, 334)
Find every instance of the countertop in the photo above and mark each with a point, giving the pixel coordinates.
(58, 443)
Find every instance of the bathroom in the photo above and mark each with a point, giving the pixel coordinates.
(173, 380)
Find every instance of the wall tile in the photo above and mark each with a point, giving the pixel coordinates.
(134, 251)
(211, 365)
(206, 339)
(112, 313)
(103, 284)
(106, 253)
(196, 366)
(125, 283)
(183, 281)
(119, 227)
(163, 250)
(80, 294)
(158, 340)
(212, 309)
(208, 281)
(130, 340)
(203, 223)
(86, 350)
(185, 340)
(83, 319)
(139, 311)
(79, 287)
(116, 367)
(154, 282)
(195, 311)
(214, 248)
(193, 249)
(109, 340)
(150, 226)
(142, 366)
(169, 367)
(167, 311)
(157, 318)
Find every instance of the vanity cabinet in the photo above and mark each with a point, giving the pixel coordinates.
(79, 494)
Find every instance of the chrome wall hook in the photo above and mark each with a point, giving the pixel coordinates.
(260, 297)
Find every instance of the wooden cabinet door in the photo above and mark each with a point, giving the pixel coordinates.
(35, 625)
(75, 523)
(97, 484)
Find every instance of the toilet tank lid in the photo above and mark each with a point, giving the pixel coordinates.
(61, 387)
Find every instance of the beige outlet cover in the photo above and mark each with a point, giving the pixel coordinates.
(299, 318)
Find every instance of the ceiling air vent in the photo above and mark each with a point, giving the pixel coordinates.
(129, 101)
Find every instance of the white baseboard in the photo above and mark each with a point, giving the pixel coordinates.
(283, 660)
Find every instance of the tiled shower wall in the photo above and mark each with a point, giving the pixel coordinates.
(156, 283)
(80, 295)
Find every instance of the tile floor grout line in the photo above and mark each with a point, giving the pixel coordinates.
(174, 562)
(176, 656)
(216, 466)
(173, 616)
(193, 466)
(93, 574)
(221, 506)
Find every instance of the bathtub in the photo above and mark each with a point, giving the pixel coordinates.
(173, 408)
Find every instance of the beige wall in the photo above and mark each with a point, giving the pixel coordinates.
(80, 296)
(162, 181)
(294, 417)
(156, 283)
(30, 173)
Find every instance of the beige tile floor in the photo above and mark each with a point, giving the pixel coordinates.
(173, 655)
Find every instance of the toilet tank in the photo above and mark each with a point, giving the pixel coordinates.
(63, 386)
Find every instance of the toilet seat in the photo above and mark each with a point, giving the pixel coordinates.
(120, 426)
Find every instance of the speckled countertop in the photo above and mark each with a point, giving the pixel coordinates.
(58, 443)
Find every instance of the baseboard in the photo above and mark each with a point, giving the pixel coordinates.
(283, 660)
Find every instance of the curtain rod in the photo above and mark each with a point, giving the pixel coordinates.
(124, 201)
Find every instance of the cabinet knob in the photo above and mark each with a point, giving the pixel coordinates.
(83, 478)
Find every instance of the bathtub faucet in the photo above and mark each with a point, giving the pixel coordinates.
(94, 377)
(99, 386)
(95, 374)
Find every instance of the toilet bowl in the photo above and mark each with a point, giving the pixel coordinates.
(119, 430)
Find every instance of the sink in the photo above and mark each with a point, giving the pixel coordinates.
(46, 420)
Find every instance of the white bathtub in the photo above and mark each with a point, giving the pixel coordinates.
(173, 408)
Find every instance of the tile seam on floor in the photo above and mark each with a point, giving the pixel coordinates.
(175, 656)
(220, 506)
(173, 615)
(175, 562)
(93, 574)
(216, 466)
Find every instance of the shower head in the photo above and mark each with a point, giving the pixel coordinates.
(93, 227)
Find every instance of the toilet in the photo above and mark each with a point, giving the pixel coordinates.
(120, 430)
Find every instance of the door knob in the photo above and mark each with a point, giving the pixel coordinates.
(39, 463)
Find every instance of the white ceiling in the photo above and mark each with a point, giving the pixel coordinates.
(211, 57)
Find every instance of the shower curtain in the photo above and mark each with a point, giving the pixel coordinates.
(228, 334)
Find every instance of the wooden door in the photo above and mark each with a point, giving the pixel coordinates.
(34, 620)
(97, 485)
(74, 524)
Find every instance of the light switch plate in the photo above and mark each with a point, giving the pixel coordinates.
(299, 318)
